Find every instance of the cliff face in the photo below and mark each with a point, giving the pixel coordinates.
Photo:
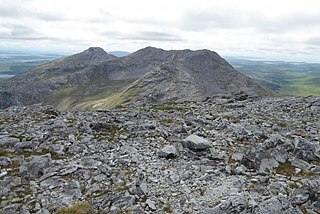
(93, 79)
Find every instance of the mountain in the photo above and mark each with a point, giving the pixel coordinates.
(95, 79)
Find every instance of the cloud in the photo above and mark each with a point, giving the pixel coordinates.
(246, 26)
(144, 36)
(231, 18)
(153, 36)
(24, 33)
(22, 11)
(314, 41)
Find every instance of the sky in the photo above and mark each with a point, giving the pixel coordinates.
(286, 30)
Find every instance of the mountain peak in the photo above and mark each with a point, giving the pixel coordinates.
(95, 50)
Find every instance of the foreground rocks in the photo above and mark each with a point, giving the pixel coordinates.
(216, 156)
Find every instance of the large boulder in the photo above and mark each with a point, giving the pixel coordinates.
(36, 167)
(195, 142)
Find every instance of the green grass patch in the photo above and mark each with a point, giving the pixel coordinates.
(286, 169)
(169, 108)
(296, 79)
(169, 120)
(79, 208)
(293, 185)
(3, 152)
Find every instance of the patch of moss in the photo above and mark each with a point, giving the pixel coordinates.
(293, 185)
(51, 113)
(100, 137)
(304, 210)
(119, 107)
(286, 169)
(169, 120)
(305, 173)
(21, 190)
(79, 208)
(167, 208)
(169, 108)
(202, 191)
(122, 187)
(252, 187)
(283, 124)
(2, 122)
(3, 152)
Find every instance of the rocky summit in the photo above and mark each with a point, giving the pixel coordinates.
(221, 155)
(93, 80)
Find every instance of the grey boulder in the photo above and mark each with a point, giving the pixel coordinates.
(195, 142)
(168, 151)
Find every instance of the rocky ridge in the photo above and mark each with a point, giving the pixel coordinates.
(93, 80)
(220, 155)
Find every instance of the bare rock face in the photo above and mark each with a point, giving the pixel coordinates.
(94, 78)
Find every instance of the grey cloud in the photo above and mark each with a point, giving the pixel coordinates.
(314, 41)
(144, 36)
(102, 17)
(207, 19)
(19, 11)
(290, 22)
(218, 18)
(15, 30)
(21, 33)
(154, 36)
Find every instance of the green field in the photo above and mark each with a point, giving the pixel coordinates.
(298, 79)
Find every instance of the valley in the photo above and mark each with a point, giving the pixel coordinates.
(285, 78)
(14, 63)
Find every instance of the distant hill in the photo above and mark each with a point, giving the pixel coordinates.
(119, 53)
(95, 79)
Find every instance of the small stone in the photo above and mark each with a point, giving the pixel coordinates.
(300, 133)
(151, 204)
(237, 156)
(268, 164)
(240, 170)
(5, 161)
(168, 151)
(3, 173)
(300, 196)
(228, 169)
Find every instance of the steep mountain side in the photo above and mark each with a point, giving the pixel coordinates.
(179, 76)
(195, 76)
(40, 83)
(66, 65)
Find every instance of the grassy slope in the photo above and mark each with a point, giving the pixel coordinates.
(285, 78)
(89, 96)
